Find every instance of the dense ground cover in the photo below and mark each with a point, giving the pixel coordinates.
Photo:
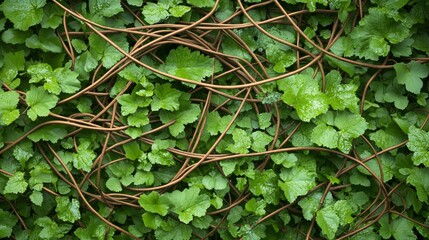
(214, 119)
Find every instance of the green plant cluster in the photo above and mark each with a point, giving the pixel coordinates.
(204, 119)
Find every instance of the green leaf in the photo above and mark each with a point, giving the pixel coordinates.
(202, 222)
(324, 135)
(155, 203)
(179, 10)
(8, 107)
(419, 178)
(23, 151)
(107, 8)
(395, 93)
(84, 64)
(344, 211)
(257, 207)
(213, 123)
(40, 102)
(114, 184)
(296, 182)
(418, 142)
(371, 38)
(159, 154)
(151, 220)
(102, 50)
(7, 222)
(23, 14)
(67, 210)
(214, 180)
(303, 93)
(14, 62)
(15, 36)
(139, 119)
(137, 3)
(79, 45)
(67, 80)
(288, 160)
(154, 13)
(131, 102)
(46, 40)
(83, 159)
(411, 75)
(39, 72)
(349, 125)
(341, 96)
(132, 150)
(52, 17)
(57, 81)
(264, 120)
(173, 230)
(134, 73)
(184, 63)
(50, 229)
(260, 140)
(358, 178)
(51, 133)
(202, 3)
(40, 174)
(328, 221)
(189, 203)
(141, 178)
(403, 49)
(399, 228)
(242, 141)
(182, 117)
(403, 229)
(310, 204)
(95, 229)
(37, 198)
(165, 98)
(388, 138)
(265, 183)
(122, 169)
(16, 184)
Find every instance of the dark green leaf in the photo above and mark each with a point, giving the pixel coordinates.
(23, 14)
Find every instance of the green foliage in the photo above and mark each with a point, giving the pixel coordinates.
(155, 203)
(107, 8)
(328, 221)
(67, 210)
(418, 143)
(40, 102)
(188, 203)
(165, 98)
(102, 50)
(7, 222)
(411, 75)
(50, 229)
(349, 126)
(181, 117)
(192, 65)
(296, 182)
(16, 184)
(242, 141)
(50, 133)
(8, 111)
(97, 145)
(376, 30)
(157, 12)
(23, 14)
(303, 93)
(399, 228)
